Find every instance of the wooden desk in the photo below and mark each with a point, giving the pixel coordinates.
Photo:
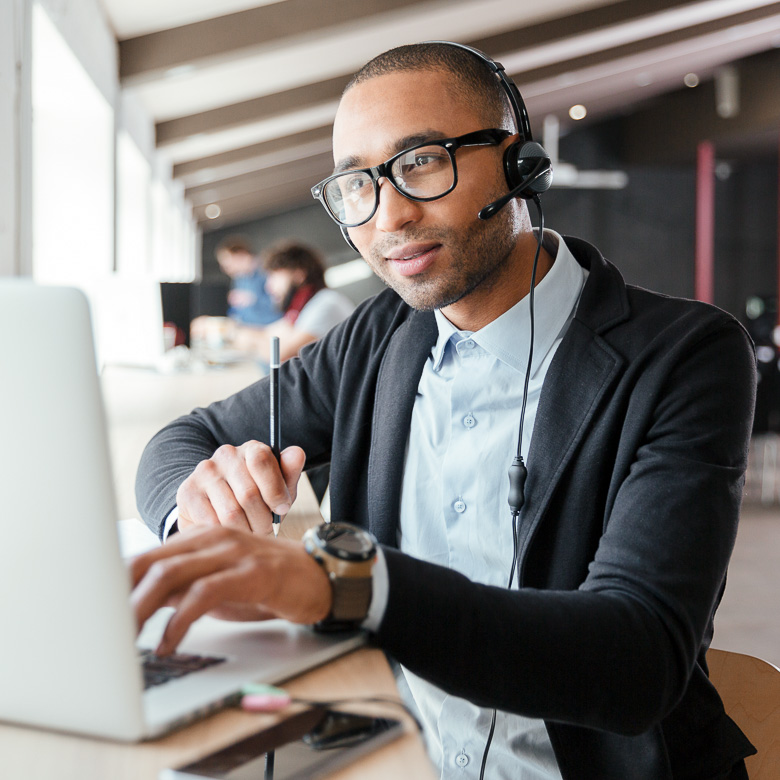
(30, 754)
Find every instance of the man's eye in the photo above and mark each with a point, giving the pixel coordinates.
(356, 185)
(428, 158)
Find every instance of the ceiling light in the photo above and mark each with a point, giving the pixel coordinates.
(213, 211)
(691, 80)
(578, 112)
(723, 171)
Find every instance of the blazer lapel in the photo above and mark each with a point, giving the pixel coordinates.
(581, 373)
(576, 383)
(397, 384)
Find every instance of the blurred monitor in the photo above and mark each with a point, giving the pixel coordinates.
(176, 308)
(182, 302)
(209, 297)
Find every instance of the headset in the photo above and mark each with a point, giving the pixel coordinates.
(527, 166)
(528, 172)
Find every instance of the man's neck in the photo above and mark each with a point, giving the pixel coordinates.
(501, 291)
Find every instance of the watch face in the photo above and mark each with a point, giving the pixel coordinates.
(346, 541)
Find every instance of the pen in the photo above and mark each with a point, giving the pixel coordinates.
(274, 413)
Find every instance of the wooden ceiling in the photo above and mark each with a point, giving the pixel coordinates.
(243, 102)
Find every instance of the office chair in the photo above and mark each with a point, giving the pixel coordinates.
(750, 689)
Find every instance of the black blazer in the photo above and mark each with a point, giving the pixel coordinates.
(635, 478)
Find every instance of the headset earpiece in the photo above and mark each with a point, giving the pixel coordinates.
(522, 161)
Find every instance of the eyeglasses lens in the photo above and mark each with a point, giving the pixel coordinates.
(424, 172)
(350, 197)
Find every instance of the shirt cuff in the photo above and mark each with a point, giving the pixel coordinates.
(380, 587)
(170, 526)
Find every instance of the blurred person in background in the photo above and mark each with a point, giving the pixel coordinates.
(296, 283)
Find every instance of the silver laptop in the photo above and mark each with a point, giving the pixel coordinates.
(69, 657)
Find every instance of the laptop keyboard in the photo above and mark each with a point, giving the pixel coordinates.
(161, 669)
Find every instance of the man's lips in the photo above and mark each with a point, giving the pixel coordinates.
(412, 259)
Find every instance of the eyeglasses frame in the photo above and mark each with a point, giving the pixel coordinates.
(488, 137)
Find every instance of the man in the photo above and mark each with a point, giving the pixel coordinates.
(634, 434)
(296, 283)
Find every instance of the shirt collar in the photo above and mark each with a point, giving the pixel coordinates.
(508, 336)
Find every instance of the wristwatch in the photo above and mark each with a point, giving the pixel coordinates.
(347, 553)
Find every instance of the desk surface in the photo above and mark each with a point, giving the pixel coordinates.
(30, 754)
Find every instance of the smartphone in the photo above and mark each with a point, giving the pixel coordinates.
(303, 747)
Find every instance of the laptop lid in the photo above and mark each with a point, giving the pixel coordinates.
(68, 649)
(68, 660)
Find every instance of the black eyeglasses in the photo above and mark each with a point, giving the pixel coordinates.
(422, 173)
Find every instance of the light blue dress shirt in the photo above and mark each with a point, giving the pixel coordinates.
(454, 510)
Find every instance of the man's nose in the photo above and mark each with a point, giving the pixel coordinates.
(394, 210)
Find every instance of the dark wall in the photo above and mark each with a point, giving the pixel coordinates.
(746, 234)
(648, 229)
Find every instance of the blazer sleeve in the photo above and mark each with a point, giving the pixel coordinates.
(615, 654)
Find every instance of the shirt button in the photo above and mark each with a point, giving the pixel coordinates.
(467, 344)
(461, 760)
(460, 506)
(469, 421)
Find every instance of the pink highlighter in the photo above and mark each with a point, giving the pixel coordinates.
(256, 697)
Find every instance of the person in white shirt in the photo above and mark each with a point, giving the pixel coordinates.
(296, 282)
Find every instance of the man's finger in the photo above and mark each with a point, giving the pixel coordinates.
(204, 595)
(292, 460)
(172, 575)
(177, 545)
(266, 473)
(194, 505)
(227, 506)
(247, 494)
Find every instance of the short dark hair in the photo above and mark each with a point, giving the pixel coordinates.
(294, 256)
(235, 244)
(472, 80)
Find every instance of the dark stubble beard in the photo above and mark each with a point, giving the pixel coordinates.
(479, 253)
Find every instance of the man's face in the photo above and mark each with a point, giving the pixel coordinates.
(282, 283)
(432, 254)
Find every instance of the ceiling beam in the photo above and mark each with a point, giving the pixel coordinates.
(534, 36)
(248, 154)
(243, 208)
(265, 107)
(231, 36)
(311, 169)
(646, 45)
(574, 25)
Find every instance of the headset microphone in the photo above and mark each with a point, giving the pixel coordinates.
(534, 168)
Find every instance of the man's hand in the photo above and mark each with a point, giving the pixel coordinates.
(227, 572)
(239, 487)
